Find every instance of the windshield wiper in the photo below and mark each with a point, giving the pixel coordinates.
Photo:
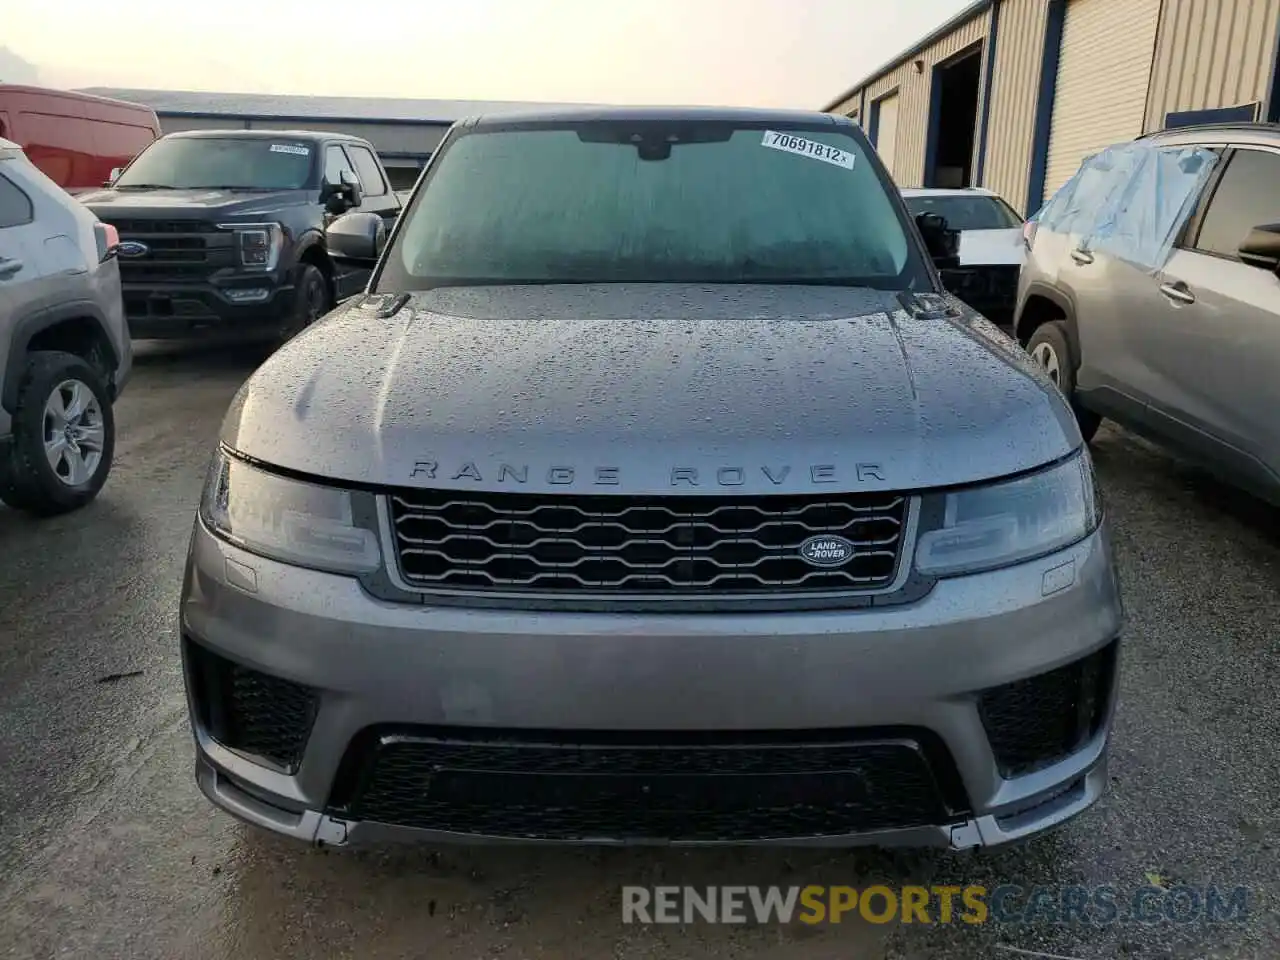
(145, 186)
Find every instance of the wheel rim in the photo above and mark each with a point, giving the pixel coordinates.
(74, 433)
(315, 302)
(1047, 357)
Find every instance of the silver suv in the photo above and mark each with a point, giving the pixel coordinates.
(654, 492)
(1183, 347)
(65, 353)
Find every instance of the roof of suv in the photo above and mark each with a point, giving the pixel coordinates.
(314, 136)
(947, 192)
(1259, 133)
(724, 114)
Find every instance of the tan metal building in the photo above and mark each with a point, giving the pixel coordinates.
(1048, 82)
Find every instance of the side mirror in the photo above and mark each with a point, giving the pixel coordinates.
(940, 240)
(357, 237)
(115, 175)
(1261, 248)
(345, 195)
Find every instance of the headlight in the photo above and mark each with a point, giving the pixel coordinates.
(299, 523)
(1006, 523)
(259, 244)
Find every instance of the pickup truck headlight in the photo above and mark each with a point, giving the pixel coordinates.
(1013, 521)
(303, 524)
(258, 244)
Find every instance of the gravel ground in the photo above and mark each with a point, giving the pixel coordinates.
(108, 850)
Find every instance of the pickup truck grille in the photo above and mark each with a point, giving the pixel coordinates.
(610, 545)
(177, 250)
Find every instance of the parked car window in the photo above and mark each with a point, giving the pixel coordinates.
(966, 213)
(335, 162)
(370, 174)
(1245, 198)
(15, 206)
(581, 204)
(203, 163)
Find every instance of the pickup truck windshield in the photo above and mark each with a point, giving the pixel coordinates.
(196, 163)
(966, 213)
(653, 202)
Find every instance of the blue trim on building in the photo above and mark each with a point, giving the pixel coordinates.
(862, 112)
(1055, 19)
(1244, 113)
(1271, 108)
(993, 33)
(873, 123)
(932, 133)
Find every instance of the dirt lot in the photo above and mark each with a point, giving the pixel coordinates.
(108, 851)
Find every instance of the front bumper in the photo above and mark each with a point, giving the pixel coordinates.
(164, 311)
(897, 692)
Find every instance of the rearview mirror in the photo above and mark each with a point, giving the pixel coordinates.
(357, 237)
(1261, 248)
(940, 240)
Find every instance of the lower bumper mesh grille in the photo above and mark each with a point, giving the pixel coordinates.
(646, 791)
(1038, 721)
(251, 712)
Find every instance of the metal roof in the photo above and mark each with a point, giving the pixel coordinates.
(959, 20)
(192, 103)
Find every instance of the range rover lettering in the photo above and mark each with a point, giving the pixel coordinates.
(654, 491)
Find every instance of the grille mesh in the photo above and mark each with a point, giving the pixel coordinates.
(177, 250)
(657, 545)
(253, 712)
(662, 791)
(1038, 721)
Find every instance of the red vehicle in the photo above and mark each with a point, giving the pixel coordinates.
(75, 138)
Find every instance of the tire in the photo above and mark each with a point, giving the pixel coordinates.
(37, 476)
(1050, 347)
(311, 301)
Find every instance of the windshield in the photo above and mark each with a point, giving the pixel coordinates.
(617, 201)
(205, 162)
(966, 212)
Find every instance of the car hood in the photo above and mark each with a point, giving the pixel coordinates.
(991, 247)
(117, 203)
(642, 389)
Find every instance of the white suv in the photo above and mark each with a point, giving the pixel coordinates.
(64, 348)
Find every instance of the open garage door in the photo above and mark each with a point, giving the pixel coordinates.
(1103, 71)
(887, 129)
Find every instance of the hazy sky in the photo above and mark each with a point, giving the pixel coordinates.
(767, 52)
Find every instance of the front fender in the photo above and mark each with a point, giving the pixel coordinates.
(28, 327)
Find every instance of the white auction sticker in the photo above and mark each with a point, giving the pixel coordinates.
(291, 148)
(807, 148)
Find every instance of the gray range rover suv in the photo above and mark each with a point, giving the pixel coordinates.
(654, 492)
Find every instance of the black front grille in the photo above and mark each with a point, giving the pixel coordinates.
(648, 546)
(251, 712)
(1038, 721)
(647, 787)
(177, 250)
(150, 227)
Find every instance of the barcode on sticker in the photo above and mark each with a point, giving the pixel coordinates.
(807, 148)
(291, 148)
